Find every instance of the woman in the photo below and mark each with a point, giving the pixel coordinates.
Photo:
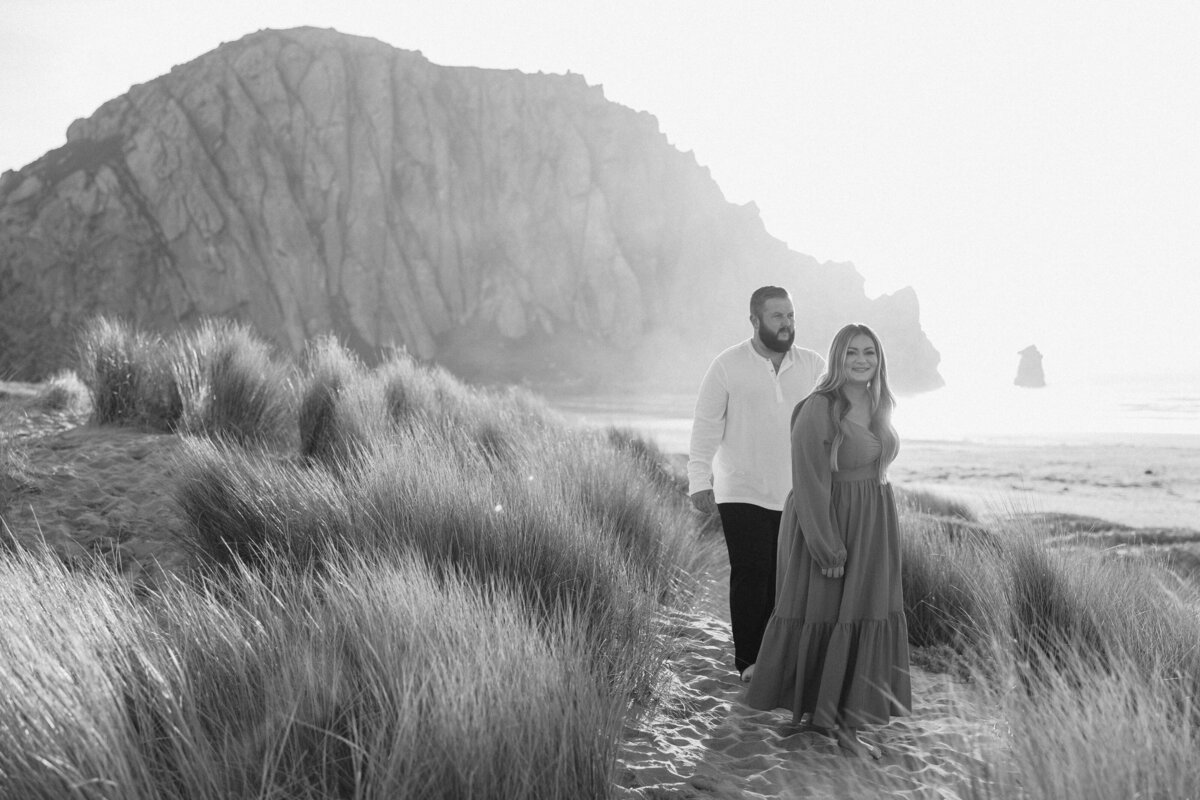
(835, 651)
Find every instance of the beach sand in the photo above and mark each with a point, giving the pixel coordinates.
(90, 492)
(701, 741)
(104, 492)
(1148, 482)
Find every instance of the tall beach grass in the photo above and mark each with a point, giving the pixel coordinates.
(232, 385)
(373, 679)
(64, 392)
(406, 587)
(1086, 658)
(128, 374)
(217, 379)
(414, 588)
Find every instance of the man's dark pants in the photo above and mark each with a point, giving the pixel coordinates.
(751, 536)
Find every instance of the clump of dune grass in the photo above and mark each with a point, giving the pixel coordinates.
(415, 393)
(65, 392)
(568, 526)
(231, 385)
(328, 433)
(1053, 610)
(404, 461)
(1056, 613)
(525, 530)
(14, 466)
(1008, 583)
(255, 507)
(1088, 732)
(128, 374)
(1086, 657)
(953, 586)
(1081, 604)
(371, 679)
(495, 423)
(925, 501)
(218, 379)
(649, 458)
(504, 448)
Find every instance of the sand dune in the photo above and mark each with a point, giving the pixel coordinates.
(104, 492)
(700, 741)
(92, 492)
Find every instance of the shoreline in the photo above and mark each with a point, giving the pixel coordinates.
(1140, 480)
(1147, 484)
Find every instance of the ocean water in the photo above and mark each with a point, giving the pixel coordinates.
(1106, 409)
(1154, 411)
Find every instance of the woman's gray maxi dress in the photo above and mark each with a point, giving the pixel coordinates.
(837, 648)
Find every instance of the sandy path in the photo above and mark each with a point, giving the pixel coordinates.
(702, 742)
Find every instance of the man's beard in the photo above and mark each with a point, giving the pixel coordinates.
(780, 342)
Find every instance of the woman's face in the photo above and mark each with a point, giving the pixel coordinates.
(862, 361)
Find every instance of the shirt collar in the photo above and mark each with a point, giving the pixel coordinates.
(789, 357)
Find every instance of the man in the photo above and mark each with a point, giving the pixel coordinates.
(740, 459)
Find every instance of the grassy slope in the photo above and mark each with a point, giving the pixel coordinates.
(414, 588)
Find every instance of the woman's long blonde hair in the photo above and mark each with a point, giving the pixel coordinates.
(882, 400)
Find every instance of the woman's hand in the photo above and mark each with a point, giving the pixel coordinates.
(833, 572)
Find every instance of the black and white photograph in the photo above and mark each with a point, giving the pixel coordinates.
(626, 400)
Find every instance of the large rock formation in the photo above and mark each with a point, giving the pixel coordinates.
(510, 226)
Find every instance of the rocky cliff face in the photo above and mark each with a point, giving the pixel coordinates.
(510, 226)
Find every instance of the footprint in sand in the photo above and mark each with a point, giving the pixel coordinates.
(701, 741)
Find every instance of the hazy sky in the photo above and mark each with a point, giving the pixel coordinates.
(1031, 169)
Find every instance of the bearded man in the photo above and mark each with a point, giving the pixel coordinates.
(739, 463)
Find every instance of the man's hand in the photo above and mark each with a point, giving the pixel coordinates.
(705, 501)
(833, 572)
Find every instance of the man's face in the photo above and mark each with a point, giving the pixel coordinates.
(776, 325)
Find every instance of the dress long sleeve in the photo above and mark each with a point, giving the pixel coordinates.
(812, 481)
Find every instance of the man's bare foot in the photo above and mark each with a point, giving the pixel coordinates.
(748, 673)
(806, 724)
(847, 739)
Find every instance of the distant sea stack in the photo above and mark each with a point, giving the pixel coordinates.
(511, 227)
(1029, 370)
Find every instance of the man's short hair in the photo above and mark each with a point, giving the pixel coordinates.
(761, 295)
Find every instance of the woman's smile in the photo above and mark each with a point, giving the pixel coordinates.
(861, 359)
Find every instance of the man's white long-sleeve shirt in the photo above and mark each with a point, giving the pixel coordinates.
(741, 445)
